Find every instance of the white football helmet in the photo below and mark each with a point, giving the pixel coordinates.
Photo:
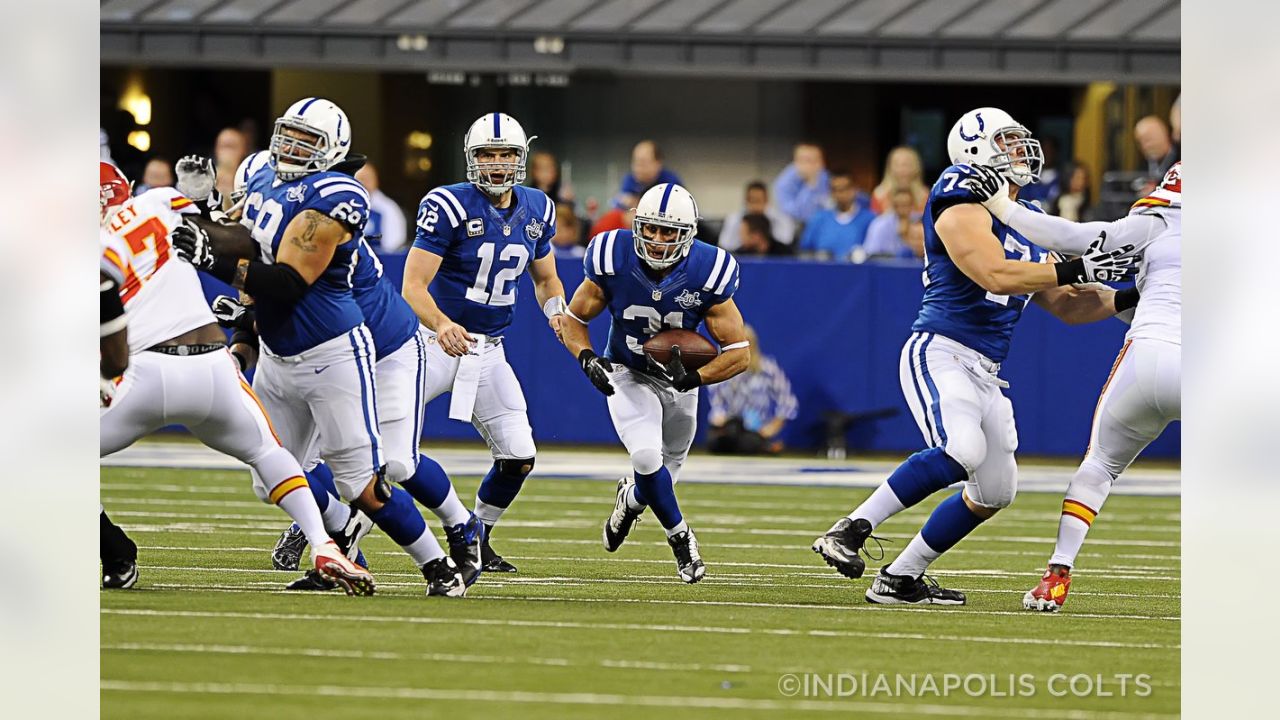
(666, 206)
(248, 168)
(990, 136)
(293, 157)
(496, 130)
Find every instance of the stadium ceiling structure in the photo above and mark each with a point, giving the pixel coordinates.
(1040, 41)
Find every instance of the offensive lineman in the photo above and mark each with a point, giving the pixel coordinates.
(1144, 391)
(651, 276)
(979, 275)
(474, 241)
(317, 354)
(181, 372)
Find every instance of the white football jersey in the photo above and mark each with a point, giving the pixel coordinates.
(161, 293)
(1159, 312)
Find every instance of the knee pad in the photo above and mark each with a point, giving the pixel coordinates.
(398, 472)
(968, 448)
(995, 487)
(520, 467)
(646, 461)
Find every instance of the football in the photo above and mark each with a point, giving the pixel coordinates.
(695, 350)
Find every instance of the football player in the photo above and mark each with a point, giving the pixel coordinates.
(979, 275)
(1144, 391)
(180, 371)
(315, 372)
(474, 240)
(652, 277)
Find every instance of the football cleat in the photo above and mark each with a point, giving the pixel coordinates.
(841, 545)
(689, 565)
(348, 540)
(443, 578)
(490, 560)
(287, 553)
(623, 518)
(119, 574)
(332, 565)
(1051, 594)
(465, 540)
(889, 589)
(311, 581)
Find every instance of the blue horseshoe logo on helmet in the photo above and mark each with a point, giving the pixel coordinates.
(981, 126)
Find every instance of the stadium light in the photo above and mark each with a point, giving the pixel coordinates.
(140, 139)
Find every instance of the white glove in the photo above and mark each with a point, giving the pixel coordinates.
(1100, 265)
(196, 177)
(992, 189)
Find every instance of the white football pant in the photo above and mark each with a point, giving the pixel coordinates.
(500, 413)
(654, 421)
(954, 395)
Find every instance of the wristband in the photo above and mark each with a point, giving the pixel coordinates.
(554, 306)
(1126, 299)
(1070, 272)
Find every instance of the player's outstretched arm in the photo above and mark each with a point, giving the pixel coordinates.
(724, 323)
(1073, 238)
(1080, 304)
(588, 301)
(231, 240)
(420, 268)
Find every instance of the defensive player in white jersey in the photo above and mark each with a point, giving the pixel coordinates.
(980, 273)
(181, 373)
(1144, 391)
(652, 276)
(315, 373)
(474, 241)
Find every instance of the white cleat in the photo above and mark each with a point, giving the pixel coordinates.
(333, 566)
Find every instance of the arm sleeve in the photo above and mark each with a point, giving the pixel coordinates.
(437, 223)
(1072, 238)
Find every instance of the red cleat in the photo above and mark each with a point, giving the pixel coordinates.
(1051, 593)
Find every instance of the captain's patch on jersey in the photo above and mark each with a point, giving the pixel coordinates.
(475, 227)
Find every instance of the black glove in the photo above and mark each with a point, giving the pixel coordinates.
(681, 379)
(597, 370)
(1098, 264)
(232, 314)
(191, 243)
(985, 183)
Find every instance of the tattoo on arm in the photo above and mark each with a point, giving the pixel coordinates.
(306, 241)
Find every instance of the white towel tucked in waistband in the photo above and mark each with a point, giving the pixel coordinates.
(467, 381)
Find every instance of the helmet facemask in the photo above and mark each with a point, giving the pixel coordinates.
(656, 251)
(295, 157)
(1016, 155)
(496, 178)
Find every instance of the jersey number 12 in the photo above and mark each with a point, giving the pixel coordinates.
(502, 291)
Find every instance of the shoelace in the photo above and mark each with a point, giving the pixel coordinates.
(879, 547)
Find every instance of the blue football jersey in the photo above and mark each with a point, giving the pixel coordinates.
(386, 313)
(640, 306)
(955, 306)
(328, 309)
(484, 250)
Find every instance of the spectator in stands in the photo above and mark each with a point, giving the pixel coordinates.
(757, 202)
(887, 234)
(544, 174)
(1175, 123)
(915, 237)
(836, 232)
(156, 173)
(755, 237)
(647, 170)
(1045, 191)
(749, 410)
(801, 188)
(567, 241)
(615, 219)
(1152, 136)
(386, 229)
(1076, 204)
(229, 149)
(902, 170)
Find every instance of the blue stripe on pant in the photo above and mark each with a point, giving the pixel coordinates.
(932, 438)
(936, 405)
(360, 345)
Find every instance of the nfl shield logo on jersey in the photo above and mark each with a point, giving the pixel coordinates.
(296, 193)
(688, 300)
(534, 230)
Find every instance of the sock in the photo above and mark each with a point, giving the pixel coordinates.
(1085, 495)
(657, 491)
(949, 523)
(496, 492)
(680, 527)
(332, 509)
(302, 508)
(400, 520)
(431, 487)
(882, 505)
(633, 501)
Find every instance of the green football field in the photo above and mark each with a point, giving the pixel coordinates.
(578, 632)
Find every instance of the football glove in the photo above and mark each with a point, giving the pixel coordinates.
(681, 378)
(597, 370)
(191, 243)
(984, 183)
(1098, 264)
(231, 313)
